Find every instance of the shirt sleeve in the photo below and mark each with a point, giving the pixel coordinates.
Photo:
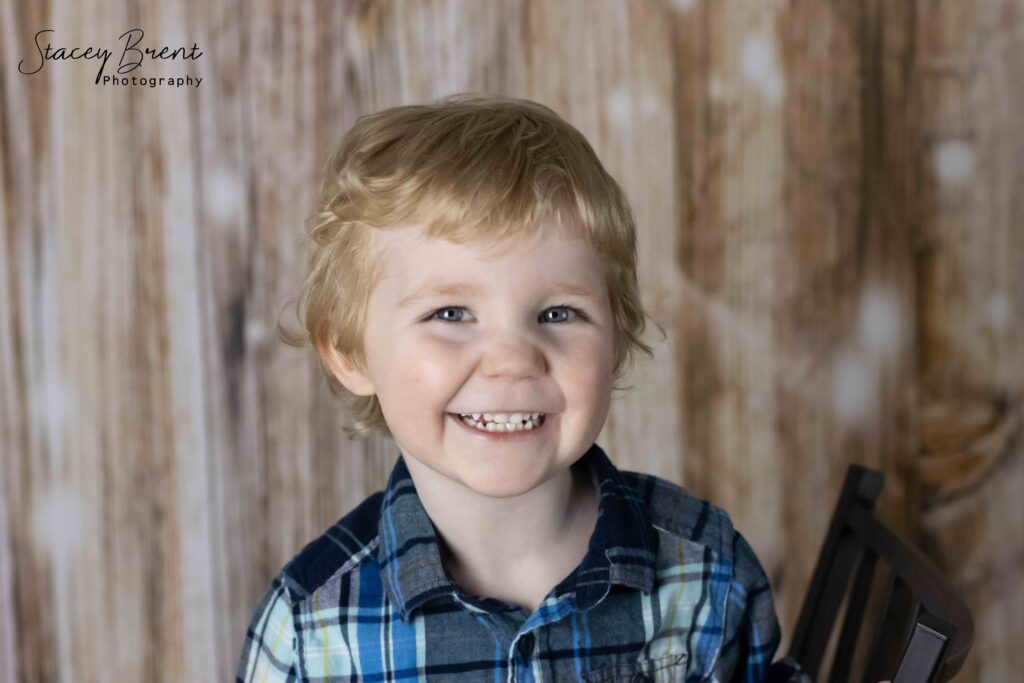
(751, 634)
(786, 670)
(269, 651)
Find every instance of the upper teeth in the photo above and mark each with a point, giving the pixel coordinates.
(503, 417)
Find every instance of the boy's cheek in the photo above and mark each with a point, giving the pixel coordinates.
(428, 348)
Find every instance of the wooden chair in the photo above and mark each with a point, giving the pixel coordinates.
(924, 631)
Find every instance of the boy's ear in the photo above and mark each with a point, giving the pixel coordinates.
(350, 376)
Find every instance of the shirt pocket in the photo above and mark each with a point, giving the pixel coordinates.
(667, 669)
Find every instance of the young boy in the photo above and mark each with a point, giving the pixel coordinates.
(506, 546)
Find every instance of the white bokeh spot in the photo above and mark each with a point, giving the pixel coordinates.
(716, 88)
(223, 195)
(255, 333)
(761, 69)
(54, 403)
(999, 311)
(57, 521)
(854, 388)
(619, 106)
(879, 324)
(954, 161)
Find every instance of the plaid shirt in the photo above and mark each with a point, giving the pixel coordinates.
(668, 591)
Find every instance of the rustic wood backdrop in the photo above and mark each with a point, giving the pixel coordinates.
(831, 231)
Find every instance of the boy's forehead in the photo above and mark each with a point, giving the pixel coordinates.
(407, 247)
(409, 258)
(412, 237)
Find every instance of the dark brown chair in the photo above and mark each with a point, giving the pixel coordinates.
(924, 630)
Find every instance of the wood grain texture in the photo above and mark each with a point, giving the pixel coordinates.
(830, 231)
(971, 315)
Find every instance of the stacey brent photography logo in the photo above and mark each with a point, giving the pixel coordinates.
(131, 58)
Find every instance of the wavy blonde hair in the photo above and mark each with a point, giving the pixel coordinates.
(472, 168)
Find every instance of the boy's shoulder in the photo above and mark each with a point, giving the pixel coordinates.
(339, 549)
(673, 509)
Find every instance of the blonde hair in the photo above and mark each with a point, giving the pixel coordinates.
(471, 168)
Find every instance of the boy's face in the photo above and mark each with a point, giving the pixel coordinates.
(508, 343)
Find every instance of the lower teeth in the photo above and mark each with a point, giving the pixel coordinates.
(503, 427)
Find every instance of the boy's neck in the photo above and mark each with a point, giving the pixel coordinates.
(514, 549)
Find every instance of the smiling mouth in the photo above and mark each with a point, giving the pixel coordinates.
(527, 424)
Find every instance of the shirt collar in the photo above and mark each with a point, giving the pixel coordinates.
(623, 548)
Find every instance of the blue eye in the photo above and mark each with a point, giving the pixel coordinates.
(580, 315)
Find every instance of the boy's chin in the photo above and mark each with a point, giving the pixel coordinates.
(503, 489)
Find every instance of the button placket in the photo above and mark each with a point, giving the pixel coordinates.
(525, 647)
(521, 656)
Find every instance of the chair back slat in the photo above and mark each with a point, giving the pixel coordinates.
(831, 575)
(925, 630)
(882, 652)
(860, 488)
(854, 618)
(847, 554)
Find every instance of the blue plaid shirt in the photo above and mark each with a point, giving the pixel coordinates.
(668, 591)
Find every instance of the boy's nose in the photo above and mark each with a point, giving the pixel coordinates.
(513, 356)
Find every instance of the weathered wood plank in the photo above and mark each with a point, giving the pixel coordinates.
(828, 230)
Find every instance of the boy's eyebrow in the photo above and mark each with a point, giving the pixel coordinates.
(468, 288)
